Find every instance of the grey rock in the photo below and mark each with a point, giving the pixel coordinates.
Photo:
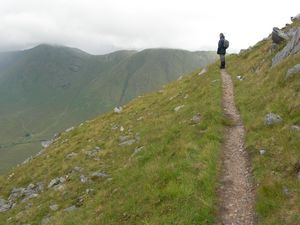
(89, 191)
(77, 169)
(34, 195)
(292, 71)
(298, 175)
(180, 78)
(118, 109)
(124, 138)
(272, 119)
(274, 47)
(196, 118)
(137, 150)
(4, 205)
(203, 71)
(262, 151)
(69, 129)
(171, 98)
(60, 187)
(80, 201)
(140, 118)
(114, 126)
(46, 144)
(176, 109)
(239, 77)
(137, 137)
(31, 191)
(292, 47)
(56, 181)
(291, 32)
(295, 128)
(39, 187)
(70, 209)
(83, 179)
(71, 155)
(62, 180)
(278, 36)
(17, 192)
(54, 207)
(295, 18)
(285, 190)
(93, 152)
(98, 174)
(128, 142)
(27, 160)
(46, 220)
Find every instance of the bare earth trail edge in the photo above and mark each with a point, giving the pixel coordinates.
(236, 193)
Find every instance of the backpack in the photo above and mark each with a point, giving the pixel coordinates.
(226, 43)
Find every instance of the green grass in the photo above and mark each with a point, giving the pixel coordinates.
(171, 181)
(264, 89)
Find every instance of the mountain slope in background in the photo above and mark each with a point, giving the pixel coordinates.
(49, 88)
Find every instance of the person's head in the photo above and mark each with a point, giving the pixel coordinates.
(222, 35)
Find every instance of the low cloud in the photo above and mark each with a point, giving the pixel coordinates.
(107, 25)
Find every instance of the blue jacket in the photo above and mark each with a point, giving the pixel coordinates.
(221, 49)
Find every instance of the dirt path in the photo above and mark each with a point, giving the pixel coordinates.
(235, 194)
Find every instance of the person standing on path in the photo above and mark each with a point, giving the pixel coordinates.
(222, 50)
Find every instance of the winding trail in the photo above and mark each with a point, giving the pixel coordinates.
(236, 195)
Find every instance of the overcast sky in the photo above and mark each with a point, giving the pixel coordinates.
(102, 26)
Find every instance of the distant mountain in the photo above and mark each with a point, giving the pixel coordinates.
(46, 89)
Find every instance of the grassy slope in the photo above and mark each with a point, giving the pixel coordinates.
(265, 90)
(171, 181)
(49, 88)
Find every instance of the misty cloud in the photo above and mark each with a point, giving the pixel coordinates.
(107, 25)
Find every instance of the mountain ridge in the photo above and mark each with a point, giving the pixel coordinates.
(47, 89)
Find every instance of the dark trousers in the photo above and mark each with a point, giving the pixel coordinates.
(222, 59)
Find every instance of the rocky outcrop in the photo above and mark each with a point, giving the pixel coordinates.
(21, 194)
(278, 36)
(292, 47)
(292, 71)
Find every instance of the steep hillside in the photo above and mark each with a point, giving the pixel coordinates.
(153, 163)
(158, 160)
(49, 88)
(275, 149)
